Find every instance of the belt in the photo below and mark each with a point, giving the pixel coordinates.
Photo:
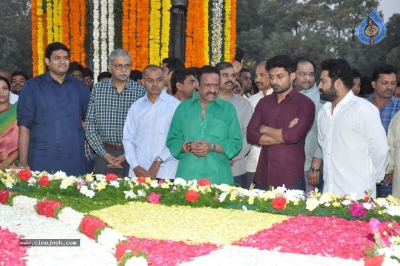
(115, 147)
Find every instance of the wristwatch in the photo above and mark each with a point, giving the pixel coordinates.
(213, 147)
(158, 159)
(314, 170)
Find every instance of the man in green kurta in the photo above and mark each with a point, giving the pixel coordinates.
(205, 133)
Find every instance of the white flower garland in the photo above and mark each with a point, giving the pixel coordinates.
(103, 38)
(111, 30)
(26, 203)
(216, 36)
(71, 217)
(110, 238)
(96, 36)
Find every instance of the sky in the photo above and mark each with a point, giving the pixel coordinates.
(388, 7)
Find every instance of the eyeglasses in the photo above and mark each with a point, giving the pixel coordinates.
(119, 66)
(302, 74)
(210, 85)
(158, 80)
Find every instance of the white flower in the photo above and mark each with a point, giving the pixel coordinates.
(389, 262)
(70, 216)
(222, 197)
(60, 175)
(9, 184)
(31, 181)
(312, 204)
(224, 187)
(110, 238)
(136, 261)
(83, 190)
(244, 208)
(130, 194)
(382, 202)
(367, 206)
(294, 195)
(90, 193)
(393, 210)
(180, 181)
(324, 199)
(281, 190)
(141, 193)
(346, 202)
(154, 183)
(66, 182)
(114, 183)
(26, 203)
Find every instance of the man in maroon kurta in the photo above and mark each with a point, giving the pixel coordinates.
(280, 124)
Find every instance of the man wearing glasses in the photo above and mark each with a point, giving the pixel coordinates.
(146, 129)
(109, 103)
(205, 133)
(305, 84)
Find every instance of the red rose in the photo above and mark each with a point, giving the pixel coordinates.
(204, 182)
(192, 195)
(154, 198)
(24, 174)
(111, 177)
(279, 203)
(141, 180)
(4, 194)
(44, 181)
(374, 261)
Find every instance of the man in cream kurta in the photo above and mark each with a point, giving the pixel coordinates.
(394, 154)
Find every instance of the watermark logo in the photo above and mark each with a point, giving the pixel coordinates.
(372, 29)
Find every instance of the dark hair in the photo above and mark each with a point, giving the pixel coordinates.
(135, 75)
(6, 81)
(283, 61)
(104, 75)
(174, 63)
(223, 65)
(366, 86)
(338, 69)
(19, 73)
(179, 75)
(75, 66)
(301, 59)
(207, 70)
(194, 70)
(254, 87)
(385, 69)
(244, 70)
(55, 46)
(240, 83)
(356, 73)
(398, 83)
(165, 60)
(86, 72)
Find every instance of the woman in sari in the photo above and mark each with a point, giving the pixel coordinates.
(8, 127)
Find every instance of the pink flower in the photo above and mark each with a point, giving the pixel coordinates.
(154, 198)
(357, 210)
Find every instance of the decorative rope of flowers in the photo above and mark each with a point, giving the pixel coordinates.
(145, 30)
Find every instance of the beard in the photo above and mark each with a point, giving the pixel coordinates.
(329, 95)
(281, 89)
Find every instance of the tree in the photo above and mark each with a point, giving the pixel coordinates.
(15, 36)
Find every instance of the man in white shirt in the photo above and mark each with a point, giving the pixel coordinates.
(262, 83)
(353, 142)
(146, 129)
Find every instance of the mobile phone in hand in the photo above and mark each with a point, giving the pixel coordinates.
(239, 55)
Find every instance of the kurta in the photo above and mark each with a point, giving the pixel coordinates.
(220, 126)
(53, 113)
(394, 154)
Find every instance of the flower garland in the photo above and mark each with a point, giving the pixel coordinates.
(49, 9)
(65, 22)
(82, 19)
(206, 35)
(103, 36)
(232, 38)
(111, 29)
(166, 21)
(56, 16)
(227, 31)
(34, 18)
(40, 37)
(216, 36)
(154, 40)
(142, 37)
(96, 36)
(126, 24)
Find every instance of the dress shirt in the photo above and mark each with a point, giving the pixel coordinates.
(13, 98)
(387, 111)
(282, 164)
(220, 126)
(312, 149)
(107, 112)
(254, 154)
(145, 133)
(53, 112)
(394, 153)
(354, 146)
(244, 112)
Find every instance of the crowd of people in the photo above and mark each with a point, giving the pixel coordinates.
(282, 128)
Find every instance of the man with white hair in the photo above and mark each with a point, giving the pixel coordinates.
(109, 103)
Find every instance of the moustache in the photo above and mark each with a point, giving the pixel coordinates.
(229, 82)
(211, 93)
(123, 74)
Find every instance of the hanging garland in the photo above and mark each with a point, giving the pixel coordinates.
(65, 23)
(34, 17)
(227, 31)
(111, 28)
(232, 23)
(165, 22)
(216, 33)
(96, 36)
(155, 39)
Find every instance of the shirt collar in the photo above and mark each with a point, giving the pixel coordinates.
(196, 98)
(130, 84)
(291, 94)
(163, 96)
(346, 99)
(392, 99)
(49, 78)
(310, 90)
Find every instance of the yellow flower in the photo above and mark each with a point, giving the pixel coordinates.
(132, 186)
(251, 200)
(164, 185)
(296, 202)
(202, 189)
(336, 204)
(101, 185)
(148, 180)
(89, 177)
(380, 212)
(233, 196)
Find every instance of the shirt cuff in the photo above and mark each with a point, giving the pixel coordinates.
(379, 176)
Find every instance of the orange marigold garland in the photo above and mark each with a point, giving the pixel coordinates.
(233, 28)
(82, 33)
(34, 18)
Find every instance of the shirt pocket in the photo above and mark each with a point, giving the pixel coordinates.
(219, 129)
